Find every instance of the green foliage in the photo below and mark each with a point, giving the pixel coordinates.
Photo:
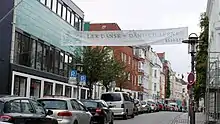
(122, 79)
(93, 60)
(202, 58)
(110, 71)
(168, 92)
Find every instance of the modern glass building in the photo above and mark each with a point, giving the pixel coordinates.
(33, 61)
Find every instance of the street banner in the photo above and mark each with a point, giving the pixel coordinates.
(124, 37)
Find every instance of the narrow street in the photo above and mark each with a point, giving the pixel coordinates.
(151, 118)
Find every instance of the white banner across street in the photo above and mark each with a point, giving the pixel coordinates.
(125, 37)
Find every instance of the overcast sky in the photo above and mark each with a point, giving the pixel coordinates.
(150, 14)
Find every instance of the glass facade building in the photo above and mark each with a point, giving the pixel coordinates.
(33, 61)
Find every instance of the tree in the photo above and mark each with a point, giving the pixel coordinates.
(122, 79)
(202, 59)
(110, 72)
(168, 84)
(93, 60)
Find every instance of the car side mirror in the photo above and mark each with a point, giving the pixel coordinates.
(49, 112)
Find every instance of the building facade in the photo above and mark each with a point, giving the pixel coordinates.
(125, 54)
(34, 61)
(162, 85)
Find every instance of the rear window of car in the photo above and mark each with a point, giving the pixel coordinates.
(54, 104)
(1, 107)
(90, 104)
(150, 102)
(111, 97)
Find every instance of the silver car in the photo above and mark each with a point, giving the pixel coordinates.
(67, 110)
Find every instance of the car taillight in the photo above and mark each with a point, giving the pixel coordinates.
(122, 106)
(98, 110)
(152, 105)
(66, 113)
(5, 118)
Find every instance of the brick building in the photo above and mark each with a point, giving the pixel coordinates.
(124, 54)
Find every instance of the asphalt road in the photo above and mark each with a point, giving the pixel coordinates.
(151, 118)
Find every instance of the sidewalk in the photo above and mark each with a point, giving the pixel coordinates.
(183, 119)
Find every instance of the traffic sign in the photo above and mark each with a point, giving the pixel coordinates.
(73, 73)
(191, 78)
(83, 79)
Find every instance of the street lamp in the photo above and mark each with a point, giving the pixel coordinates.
(192, 41)
(79, 70)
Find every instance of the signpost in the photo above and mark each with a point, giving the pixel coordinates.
(191, 79)
(83, 80)
(72, 78)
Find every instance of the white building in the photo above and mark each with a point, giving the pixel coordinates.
(162, 85)
(178, 89)
(156, 76)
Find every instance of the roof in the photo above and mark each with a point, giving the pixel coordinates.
(104, 27)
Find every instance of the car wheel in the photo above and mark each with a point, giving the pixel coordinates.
(112, 120)
(125, 116)
(75, 122)
(132, 116)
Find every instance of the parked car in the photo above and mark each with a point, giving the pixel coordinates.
(102, 114)
(145, 107)
(161, 106)
(121, 103)
(139, 106)
(21, 110)
(174, 106)
(67, 110)
(152, 105)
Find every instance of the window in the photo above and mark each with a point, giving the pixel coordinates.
(26, 107)
(68, 16)
(75, 105)
(125, 58)
(25, 51)
(61, 69)
(20, 85)
(59, 89)
(70, 65)
(122, 57)
(49, 3)
(183, 90)
(59, 9)
(108, 97)
(155, 73)
(54, 6)
(80, 24)
(77, 22)
(139, 79)
(90, 104)
(64, 13)
(155, 86)
(73, 19)
(68, 91)
(43, 1)
(51, 60)
(46, 58)
(135, 80)
(57, 61)
(48, 88)
(39, 56)
(33, 53)
(126, 98)
(35, 88)
(129, 76)
(17, 48)
(53, 104)
(66, 72)
(129, 60)
(13, 106)
(38, 107)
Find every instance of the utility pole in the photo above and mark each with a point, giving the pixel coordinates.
(192, 41)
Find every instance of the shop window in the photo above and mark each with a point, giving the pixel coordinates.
(33, 53)
(48, 88)
(68, 16)
(35, 88)
(64, 13)
(54, 6)
(43, 1)
(49, 3)
(61, 70)
(66, 65)
(68, 91)
(59, 9)
(57, 60)
(20, 84)
(39, 55)
(46, 58)
(83, 94)
(73, 19)
(59, 89)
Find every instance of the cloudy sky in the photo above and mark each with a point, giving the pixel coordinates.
(150, 14)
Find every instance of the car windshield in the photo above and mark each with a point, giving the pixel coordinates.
(90, 104)
(111, 97)
(54, 104)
